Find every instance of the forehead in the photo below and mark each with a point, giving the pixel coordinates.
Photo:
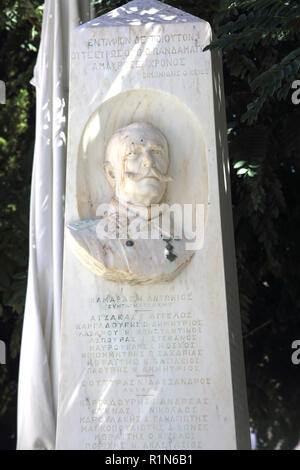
(142, 135)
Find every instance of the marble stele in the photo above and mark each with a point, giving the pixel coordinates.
(151, 345)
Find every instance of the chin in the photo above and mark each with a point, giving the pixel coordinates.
(151, 192)
(148, 191)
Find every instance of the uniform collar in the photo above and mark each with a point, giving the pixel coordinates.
(145, 212)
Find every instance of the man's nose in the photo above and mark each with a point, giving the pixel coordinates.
(147, 161)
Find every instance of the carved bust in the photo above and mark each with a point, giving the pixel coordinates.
(126, 242)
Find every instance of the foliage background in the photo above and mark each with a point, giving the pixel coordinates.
(261, 53)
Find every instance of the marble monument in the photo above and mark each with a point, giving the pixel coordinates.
(151, 345)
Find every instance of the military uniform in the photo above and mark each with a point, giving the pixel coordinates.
(118, 246)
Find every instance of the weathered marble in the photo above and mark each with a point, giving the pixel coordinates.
(129, 243)
(156, 366)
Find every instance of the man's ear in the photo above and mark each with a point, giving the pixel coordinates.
(109, 173)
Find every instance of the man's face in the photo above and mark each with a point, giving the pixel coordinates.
(140, 174)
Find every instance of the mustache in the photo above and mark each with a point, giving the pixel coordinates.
(151, 173)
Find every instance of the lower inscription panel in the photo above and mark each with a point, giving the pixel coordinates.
(143, 362)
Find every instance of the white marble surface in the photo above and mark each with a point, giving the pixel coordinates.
(160, 366)
(131, 239)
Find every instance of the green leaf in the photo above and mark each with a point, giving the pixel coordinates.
(239, 164)
(242, 171)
